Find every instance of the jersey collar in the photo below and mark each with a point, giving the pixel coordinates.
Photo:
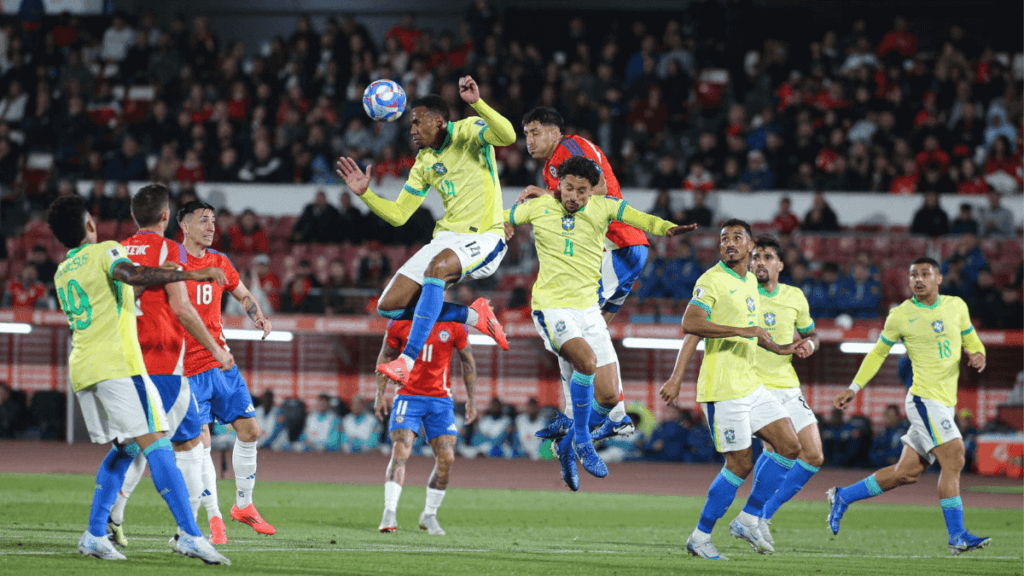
(919, 304)
(73, 251)
(448, 137)
(731, 271)
(763, 292)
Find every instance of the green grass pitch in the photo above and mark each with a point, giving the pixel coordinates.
(331, 529)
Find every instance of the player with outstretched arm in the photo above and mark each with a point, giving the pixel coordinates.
(119, 402)
(425, 399)
(934, 329)
(456, 159)
(569, 234)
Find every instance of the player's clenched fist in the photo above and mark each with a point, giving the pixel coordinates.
(468, 90)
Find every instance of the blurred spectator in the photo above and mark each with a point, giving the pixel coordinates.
(995, 220)
(119, 206)
(493, 433)
(965, 424)
(302, 293)
(322, 430)
(246, 236)
(930, 219)
(669, 440)
(987, 302)
(907, 181)
(374, 270)
(12, 412)
(319, 223)
(935, 181)
(267, 280)
(527, 424)
(117, 39)
(514, 171)
(191, 169)
(785, 221)
(518, 308)
(166, 169)
(837, 440)
(129, 164)
(27, 292)
(264, 166)
(1003, 167)
(334, 289)
(14, 105)
(273, 428)
(359, 428)
(351, 222)
(666, 177)
(886, 446)
(952, 279)
(698, 214)
(757, 176)
(226, 168)
(865, 294)
(965, 222)
(698, 178)
(969, 180)
(45, 266)
(830, 294)
(1012, 317)
(820, 218)
(662, 207)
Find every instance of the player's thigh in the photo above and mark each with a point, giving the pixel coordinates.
(606, 379)
(729, 422)
(932, 425)
(803, 420)
(231, 399)
(769, 421)
(400, 293)
(402, 440)
(951, 455)
(201, 386)
(480, 254)
(444, 448)
(557, 326)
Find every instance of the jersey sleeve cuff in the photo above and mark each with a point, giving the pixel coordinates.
(806, 330)
(512, 214)
(622, 208)
(115, 263)
(480, 135)
(968, 331)
(701, 305)
(414, 191)
(886, 341)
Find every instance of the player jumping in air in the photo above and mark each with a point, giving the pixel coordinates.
(221, 395)
(934, 328)
(569, 234)
(724, 311)
(625, 255)
(783, 312)
(425, 398)
(457, 160)
(119, 402)
(164, 313)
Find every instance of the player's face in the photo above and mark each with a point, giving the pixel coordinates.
(924, 280)
(199, 227)
(541, 140)
(424, 127)
(734, 244)
(766, 265)
(574, 191)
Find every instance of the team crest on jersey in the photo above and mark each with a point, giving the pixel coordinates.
(937, 326)
(553, 171)
(399, 419)
(769, 319)
(947, 425)
(560, 326)
(440, 169)
(730, 436)
(444, 336)
(480, 123)
(568, 223)
(750, 304)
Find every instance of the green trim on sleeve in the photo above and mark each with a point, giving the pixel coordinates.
(622, 208)
(411, 190)
(701, 305)
(480, 135)
(512, 215)
(116, 262)
(968, 331)
(886, 340)
(806, 330)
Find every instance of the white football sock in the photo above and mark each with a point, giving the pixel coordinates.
(392, 492)
(190, 462)
(434, 498)
(131, 479)
(209, 494)
(243, 460)
(618, 412)
(472, 317)
(566, 370)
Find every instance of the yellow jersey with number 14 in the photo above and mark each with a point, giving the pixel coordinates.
(101, 314)
(729, 299)
(780, 313)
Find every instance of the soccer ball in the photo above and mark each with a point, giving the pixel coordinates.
(384, 100)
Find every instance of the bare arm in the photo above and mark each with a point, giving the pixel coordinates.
(147, 276)
(252, 308)
(469, 377)
(387, 354)
(810, 344)
(177, 297)
(695, 322)
(670, 390)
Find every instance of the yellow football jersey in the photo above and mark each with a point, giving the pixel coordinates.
(101, 313)
(933, 336)
(781, 312)
(570, 246)
(727, 371)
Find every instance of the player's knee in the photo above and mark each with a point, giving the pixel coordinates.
(587, 364)
(815, 458)
(445, 458)
(606, 398)
(790, 450)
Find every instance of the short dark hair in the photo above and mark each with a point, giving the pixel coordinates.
(148, 203)
(193, 206)
(769, 241)
(66, 217)
(433, 103)
(930, 261)
(546, 117)
(737, 222)
(580, 166)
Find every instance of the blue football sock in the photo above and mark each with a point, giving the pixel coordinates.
(767, 482)
(792, 483)
(764, 457)
(597, 414)
(581, 390)
(427, 310)
(171, 485)
(862, 490)
(450, 312)
(108, 482)
(953, 510)
(720, 497)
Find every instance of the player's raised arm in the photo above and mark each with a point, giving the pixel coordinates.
(498, 131)
(129, 273)
(252, 308)
(396, 212)
(648, 222)
(670, 389)
(469, 378)
(387, 354)
(181, 305)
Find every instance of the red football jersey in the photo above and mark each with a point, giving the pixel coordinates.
(620, 234)
(431, 376)
(161, 336)
(206, 297)
(26, 297)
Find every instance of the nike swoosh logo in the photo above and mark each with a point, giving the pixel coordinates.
(912, 320)
(582, 405)
(422, 317)
(733, 291)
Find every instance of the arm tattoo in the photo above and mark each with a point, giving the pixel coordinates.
(145, 275)
(249, 303)
(468, 372)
